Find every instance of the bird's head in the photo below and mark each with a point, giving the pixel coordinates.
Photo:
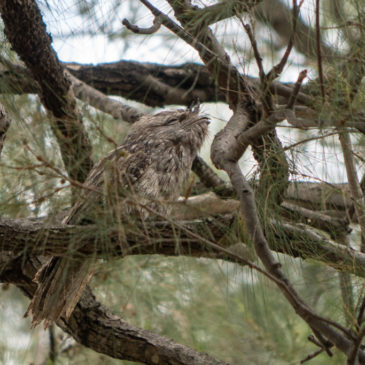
(186, 127)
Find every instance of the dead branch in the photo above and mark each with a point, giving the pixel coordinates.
(135, 29)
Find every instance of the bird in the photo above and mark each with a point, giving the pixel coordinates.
(132, 182)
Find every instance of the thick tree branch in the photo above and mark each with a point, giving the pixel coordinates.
(133, 80)
(39, 238)
(212, 54)
(223, 10)
(27, 34)
(93, 326)
(180, 85)
(224, 143)
(102, 102)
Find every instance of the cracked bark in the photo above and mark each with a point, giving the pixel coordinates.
(27, 34)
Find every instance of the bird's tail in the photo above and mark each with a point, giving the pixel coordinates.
(61, 283)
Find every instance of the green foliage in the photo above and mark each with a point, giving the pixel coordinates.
(215, 307)
(227, 311)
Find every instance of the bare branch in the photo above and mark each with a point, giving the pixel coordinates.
(195, 216)
(158, 85)
(221, 155)
(223, 10)
(353, 358)
(278, 69)
(210, 179)
(354, 184)
(23, 21)
(332, 225)
(293, 97)
(212, 54)
(102, 102)
(319, 54)
(4, 126)
(135, 29)
(256, 52)
(277, 15)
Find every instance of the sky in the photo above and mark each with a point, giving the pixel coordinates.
(65, 25)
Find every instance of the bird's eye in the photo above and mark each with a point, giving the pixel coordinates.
(171, 121)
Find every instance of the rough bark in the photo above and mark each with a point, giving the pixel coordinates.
(39, 238)
(27, 34)
(149, 83)
(92, 325)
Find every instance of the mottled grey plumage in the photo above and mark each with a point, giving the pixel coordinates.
(147, 170)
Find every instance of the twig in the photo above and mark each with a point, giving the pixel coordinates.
(4, 126)
(256, 52)
(52, 344)
(302, 75)
(278, 68)
(311, 356)
(267, 79)
(319, 55)
(135, 29)
(266, 97)
(354, 184)
(309, 140)
(353, 357)
(175, 28)
(360, 314)
(323, 342)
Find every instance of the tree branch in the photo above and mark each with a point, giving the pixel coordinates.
(4, 126)
(221, 154)
(23, 22)
(354, 184)
(100, 101)
(93, 326)
(28, 236)
(172, 84)
(278, 16)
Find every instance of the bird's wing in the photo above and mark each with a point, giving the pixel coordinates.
(110, 179)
